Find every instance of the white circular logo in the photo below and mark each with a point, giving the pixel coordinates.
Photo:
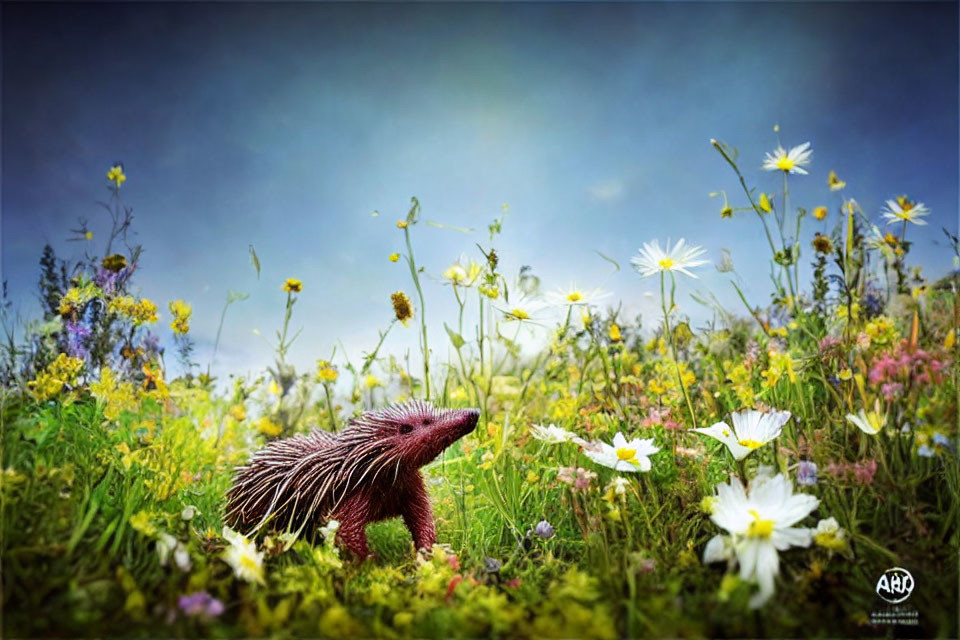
(895, 585)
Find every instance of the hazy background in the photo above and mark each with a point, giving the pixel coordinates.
(285, 125)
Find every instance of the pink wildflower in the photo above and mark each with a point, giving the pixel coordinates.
(579, 477)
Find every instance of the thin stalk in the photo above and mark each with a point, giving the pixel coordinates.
(423, 312)
(333, 416)
(673, 348)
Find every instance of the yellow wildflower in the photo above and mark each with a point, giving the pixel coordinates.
(835, 183)
(116, 396)
(780, 364)
(153, 382)
(401, 224)
(765, 205)
(881, 331)
(820, 213)
(75, 298)
(615, 334)
(181, 316)
(116, 175)
(292, 285)
(326, 372)
(709, 504)
(144, 312)
(491, 292)
(487, 460)
(268, 427)
(822, 243)
(115, 262)
(141, 522)
(401, 306)
(841, 311)
(372, 381)
(238, 412)
(59, 373)
(394, 257)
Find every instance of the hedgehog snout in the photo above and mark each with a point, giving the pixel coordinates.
(470, 418)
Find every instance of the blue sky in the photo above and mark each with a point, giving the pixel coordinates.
(285, 125)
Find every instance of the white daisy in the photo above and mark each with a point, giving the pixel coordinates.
(720, 548)
(574, 296)
(751, 430)
(552, 434)
(463, 273)
(791, 161)
(524, 309)
(870, 422)
(243, 557)
(760, 523)
(904, 210)
(830, 535)
(630, 456)
(653, 260)
(619, 486)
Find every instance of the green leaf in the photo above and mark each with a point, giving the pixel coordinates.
(446, 226)
(455, 337)
(236, 296)
(608, 259)
(255, 261)
(414, 210)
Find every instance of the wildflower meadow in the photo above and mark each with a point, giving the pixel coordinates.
(751, 476)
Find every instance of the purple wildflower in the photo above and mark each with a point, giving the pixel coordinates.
(544, 530)
(151, 344)
(942, 440)
(111, 282)
(201, 604)
(807, 473)
(77, 335)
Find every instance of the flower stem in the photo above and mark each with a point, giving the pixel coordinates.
(673, 348)
(333, 415)
(423, 313)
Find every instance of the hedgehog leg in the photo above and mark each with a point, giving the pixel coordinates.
(418, 516)
(352, 533)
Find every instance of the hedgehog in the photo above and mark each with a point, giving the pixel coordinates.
(367, 472)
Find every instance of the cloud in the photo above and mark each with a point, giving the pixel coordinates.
(608, 190)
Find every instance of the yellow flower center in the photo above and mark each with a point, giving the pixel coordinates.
(248, 563)
(574, 296)
(905, 204)
(520, 314)
(666, 263)
(760, 528)
(750, 444)
(785, 164)
(628, 455)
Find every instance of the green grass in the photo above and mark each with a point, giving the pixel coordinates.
(97, 478)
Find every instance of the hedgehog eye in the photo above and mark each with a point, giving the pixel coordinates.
(427, 422)
(405, 428)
